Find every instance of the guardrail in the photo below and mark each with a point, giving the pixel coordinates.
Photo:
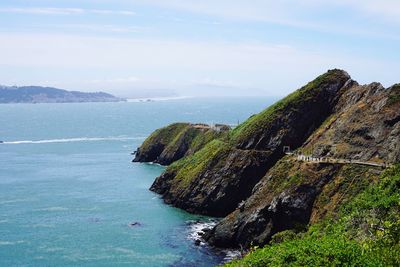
(312, 159)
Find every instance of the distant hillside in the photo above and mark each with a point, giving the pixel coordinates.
(38, 94)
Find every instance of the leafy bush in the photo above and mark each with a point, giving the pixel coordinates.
(325, 251)
(367, 233)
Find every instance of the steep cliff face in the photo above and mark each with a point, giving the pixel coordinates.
(287, 197)
(364, 127)
(213, 180)
(363, 232)
(244, 174)
(222, 174)
(177, 140)
(290, 121)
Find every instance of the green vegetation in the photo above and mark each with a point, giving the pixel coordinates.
(257, 123)
(326, 251)
(394, 96)
(179, 137)
(202, 139)
(349, 182)
(189, 167)
(366, 232)
(164, 135)
(194, 138)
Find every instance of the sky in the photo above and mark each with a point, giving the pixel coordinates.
(140, 48)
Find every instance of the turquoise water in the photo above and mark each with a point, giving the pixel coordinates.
(68, 190)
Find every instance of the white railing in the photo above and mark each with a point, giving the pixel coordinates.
(312, 159)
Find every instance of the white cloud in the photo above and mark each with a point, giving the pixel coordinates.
(388, 10)
(112, 12)
(308, 14)
(175, 64)
(284, 11)
(56, 50)
(64, 11)
(100, 28)
(257, 10)
(44, 11)
(124, 80)
(319, 15)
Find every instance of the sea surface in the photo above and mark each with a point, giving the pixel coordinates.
(70, 196)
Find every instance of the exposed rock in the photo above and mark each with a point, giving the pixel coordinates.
(245, 176)
(287, 198)
(221, 182)
(134, 224)
(364, 128)
(221, 175)
(292, 193)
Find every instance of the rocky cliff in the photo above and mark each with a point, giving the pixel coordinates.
(245, 176)
(365, 127)
(177, 140)
(223, 173)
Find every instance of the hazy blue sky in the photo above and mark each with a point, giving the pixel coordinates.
(196, 46)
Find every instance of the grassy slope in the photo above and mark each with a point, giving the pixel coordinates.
(258, 123)
(365, 233)
(196, 139)
(189, 167)
(171, 136)
(164, 135)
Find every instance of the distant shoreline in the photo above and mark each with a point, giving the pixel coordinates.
(39, 94)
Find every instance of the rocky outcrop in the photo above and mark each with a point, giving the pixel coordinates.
(177, 140)
(363, 127)
(287, 197)
(219, 176)
(245, 176)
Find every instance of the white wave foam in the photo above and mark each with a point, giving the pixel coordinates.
(67, 140)
(196, 228)
(10, 243)
(55, 249)
(232, 255)
(153, 163)
(41, 225)
(53, 209)
(11, 201)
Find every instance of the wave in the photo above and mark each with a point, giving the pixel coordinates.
(12, 201)
(67, 140)
(53, 209)
(196, 231)
(8, 243)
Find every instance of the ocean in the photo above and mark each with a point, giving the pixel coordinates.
(70, 196)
